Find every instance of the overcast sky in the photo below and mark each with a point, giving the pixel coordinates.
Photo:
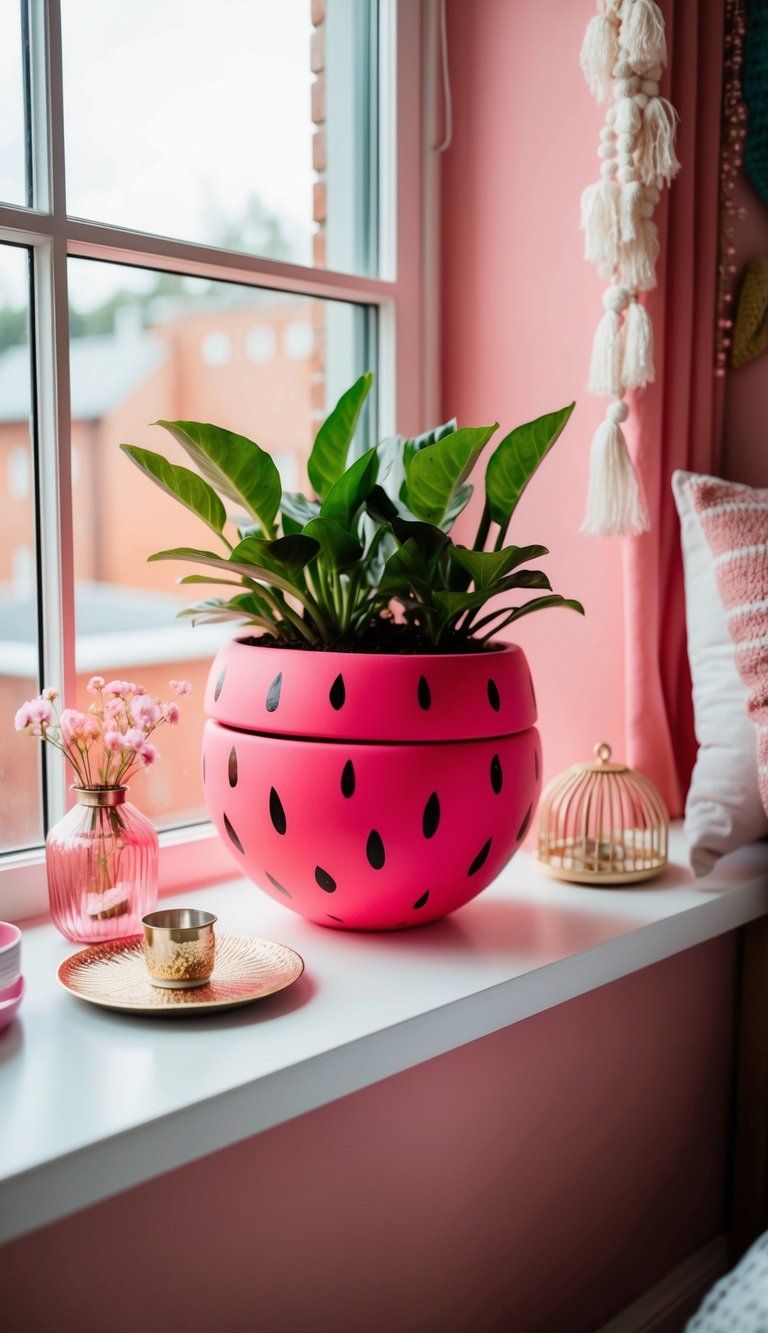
(176, 112)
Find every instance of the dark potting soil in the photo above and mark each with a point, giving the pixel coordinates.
(394, 640)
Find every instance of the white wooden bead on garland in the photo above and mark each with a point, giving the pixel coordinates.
(623, 56)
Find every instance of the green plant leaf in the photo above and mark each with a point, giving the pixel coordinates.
(407, 569)
(537, 604)
(430, 540)
(245, 603)
(457, 505)
(338, 548)
(297, 506)
(423, 441)
(487, 567)
(351, 490)
(234, 465)
(380, 506)
(436, 473)
(215, 610)
(329, 452)
(455, 602)
(209, 578)
(251, 560)
(182, 484)
(248, 530)
(432, 436)
(285, 556)
(514, 461)
(390, 453)
(291, 526)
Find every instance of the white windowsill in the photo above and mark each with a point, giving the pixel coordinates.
(92, 1103)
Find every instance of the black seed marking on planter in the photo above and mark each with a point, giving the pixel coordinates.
(233, 836)
(497, 776)
(232, 767)
(421, 901)
(203, 768)
(348, 779)
(425, 694)
(338, 693)
(276, 811)
(493, 695)
(219, 683)
(335, 918)
(525, 823)
(277, 885)
(536, 764)
(374, 850)
(326, 881)
(481, 858)
(273, 693)
(431, 817)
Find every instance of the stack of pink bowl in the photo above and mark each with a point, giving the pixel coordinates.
(11, 980)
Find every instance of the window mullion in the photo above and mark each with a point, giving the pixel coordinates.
(52, 388)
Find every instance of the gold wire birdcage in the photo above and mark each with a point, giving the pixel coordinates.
(602, 823)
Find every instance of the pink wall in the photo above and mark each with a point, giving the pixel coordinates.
(519, 309)
(541, 1178)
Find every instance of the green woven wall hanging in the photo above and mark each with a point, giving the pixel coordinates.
(755, 91)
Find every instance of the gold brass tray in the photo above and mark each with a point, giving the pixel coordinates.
(114, 975)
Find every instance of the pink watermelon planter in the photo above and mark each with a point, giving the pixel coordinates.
(370, 792)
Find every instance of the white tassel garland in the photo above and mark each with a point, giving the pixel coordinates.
(605, 365)
(657, 160)
(642, 34)
(615, 501)
(599, 53)
(638, 259)
(623, 56)
(600, 222)
(631, 202)
(637, 361)
(629, 117)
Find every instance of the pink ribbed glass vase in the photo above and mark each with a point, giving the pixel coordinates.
(101, 862)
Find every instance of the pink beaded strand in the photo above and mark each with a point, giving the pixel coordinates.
(733, 134)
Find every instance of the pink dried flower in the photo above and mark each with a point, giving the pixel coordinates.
(145, 712)
(122, 687)
(134, 739)
(22, 719)
(108, 742)
(73, 725)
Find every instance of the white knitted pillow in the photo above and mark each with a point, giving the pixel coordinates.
(723, 809)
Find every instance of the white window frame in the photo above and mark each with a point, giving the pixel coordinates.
(406, 370)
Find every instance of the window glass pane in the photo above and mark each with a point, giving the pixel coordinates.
(242, 125)
(146, 346)
(13, 188)
(20, 808)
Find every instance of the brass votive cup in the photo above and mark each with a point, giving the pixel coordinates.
(179, 947)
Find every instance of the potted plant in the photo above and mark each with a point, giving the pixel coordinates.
(370, 758)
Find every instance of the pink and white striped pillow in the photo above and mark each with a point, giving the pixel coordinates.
(735, 522)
